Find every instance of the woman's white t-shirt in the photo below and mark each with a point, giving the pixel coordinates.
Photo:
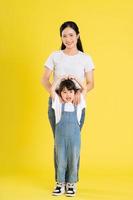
(62, 64)
(69, 107)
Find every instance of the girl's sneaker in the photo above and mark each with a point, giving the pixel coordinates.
(70, 189)
(59, 189)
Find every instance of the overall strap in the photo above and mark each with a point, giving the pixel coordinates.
(75, 109)
(62, 108)
(75, 113)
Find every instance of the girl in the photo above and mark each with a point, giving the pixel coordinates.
(67, 132)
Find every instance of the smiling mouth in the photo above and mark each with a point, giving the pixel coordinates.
(69, 43)
(68, 99)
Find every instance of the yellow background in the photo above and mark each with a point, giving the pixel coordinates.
(29, 33)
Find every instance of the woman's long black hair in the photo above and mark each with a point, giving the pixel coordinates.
(74, 26)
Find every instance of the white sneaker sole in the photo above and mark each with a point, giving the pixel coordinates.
(70, 195)
(58, 194)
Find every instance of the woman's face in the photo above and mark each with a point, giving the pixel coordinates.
(69, 38)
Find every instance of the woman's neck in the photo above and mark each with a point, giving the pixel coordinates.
(71, 51)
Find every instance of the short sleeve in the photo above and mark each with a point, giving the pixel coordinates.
(89, 65)
(49, 63)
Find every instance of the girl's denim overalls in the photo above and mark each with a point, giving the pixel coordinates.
(51, 116)
(67, 146)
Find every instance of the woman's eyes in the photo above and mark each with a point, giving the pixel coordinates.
(64, 36)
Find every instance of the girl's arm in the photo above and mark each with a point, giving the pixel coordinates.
(83, 89)
(55, 84)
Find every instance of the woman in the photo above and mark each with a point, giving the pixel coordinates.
(70, 60)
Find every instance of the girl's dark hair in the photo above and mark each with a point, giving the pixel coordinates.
(74, 26)
(69, 84)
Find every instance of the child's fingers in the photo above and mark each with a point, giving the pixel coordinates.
(63, 77)
(71, 77)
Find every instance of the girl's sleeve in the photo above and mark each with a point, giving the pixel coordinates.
(56, 105)
(89, 65)
(82, 103)
(49, 63)
(80, 107)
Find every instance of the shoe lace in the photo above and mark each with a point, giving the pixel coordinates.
(71, 185)
(59, 185)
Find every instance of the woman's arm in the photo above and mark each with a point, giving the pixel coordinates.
(89, 80)
(53, 88)
(45, 79)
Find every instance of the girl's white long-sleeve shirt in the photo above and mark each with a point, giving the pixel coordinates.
(69, 107)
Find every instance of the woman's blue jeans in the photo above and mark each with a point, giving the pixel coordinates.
(51, 115)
